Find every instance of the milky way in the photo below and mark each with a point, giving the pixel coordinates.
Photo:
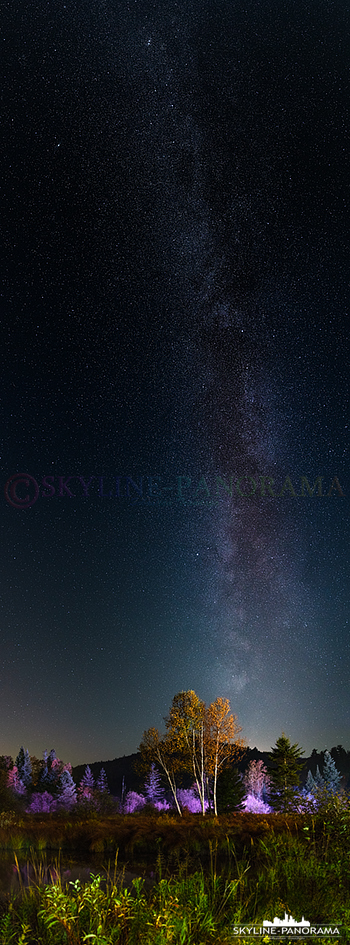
(174, 311)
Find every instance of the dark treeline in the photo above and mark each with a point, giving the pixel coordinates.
(122, 776)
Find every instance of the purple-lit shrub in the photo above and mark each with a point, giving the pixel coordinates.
(133, 802)
(42, 804)
(187, 798)
(161, 805)
(255, 805)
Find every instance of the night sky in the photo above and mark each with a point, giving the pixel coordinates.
(174, 345)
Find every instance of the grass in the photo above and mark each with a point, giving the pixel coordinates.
(210, 878)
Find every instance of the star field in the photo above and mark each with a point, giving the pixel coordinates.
(174, 364)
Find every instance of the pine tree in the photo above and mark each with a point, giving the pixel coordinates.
(24, 767)
(47, 779)
(319, 782)
(331, 776)
(87, 783)
(230, 791)
(153, 788)
(102, 783)
(285, 774)
(67, 790)
(310, 785)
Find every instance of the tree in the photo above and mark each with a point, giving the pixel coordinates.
(319, 782)
(47, 779)
(222, 745)
(102, 783)
(310, 785)
(14, 782)
(285, 774)
(230, 791)
(24, 767)
(10, 786)
(67, 792)
(331, 776)
(153, 789)
(185, 729)
(162, 751)
(197, 740)
(257, 780)
(87, 783)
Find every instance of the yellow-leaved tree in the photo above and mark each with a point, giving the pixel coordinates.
(201, 740)
(222, 745)
(185, 726)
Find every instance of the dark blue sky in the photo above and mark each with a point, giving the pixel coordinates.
(174, 310)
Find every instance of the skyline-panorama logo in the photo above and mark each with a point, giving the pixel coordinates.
(289, 928)
(148, 491)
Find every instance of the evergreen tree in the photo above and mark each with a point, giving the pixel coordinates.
(285, 774)
(87, 783)
(102, 783)
(230, 791)
(24, 767)
(67, 790)
(331, 776)
(47, 779)
(310, 785)
(319, 782)
(153, 788)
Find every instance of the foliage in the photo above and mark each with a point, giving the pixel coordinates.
(285, 773)
(331, 776)
(185, 730)
(320, 790)
(67, 792)
(87, 784)
(199, 740)
(153, 748)
(24, 767)
(295, 865)
(154, 792)
(189, 799)
(230, 791)
(42, 803)
(133, 801)
(257, 780)
(255, 805)
(222, 745)
(102, 783)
